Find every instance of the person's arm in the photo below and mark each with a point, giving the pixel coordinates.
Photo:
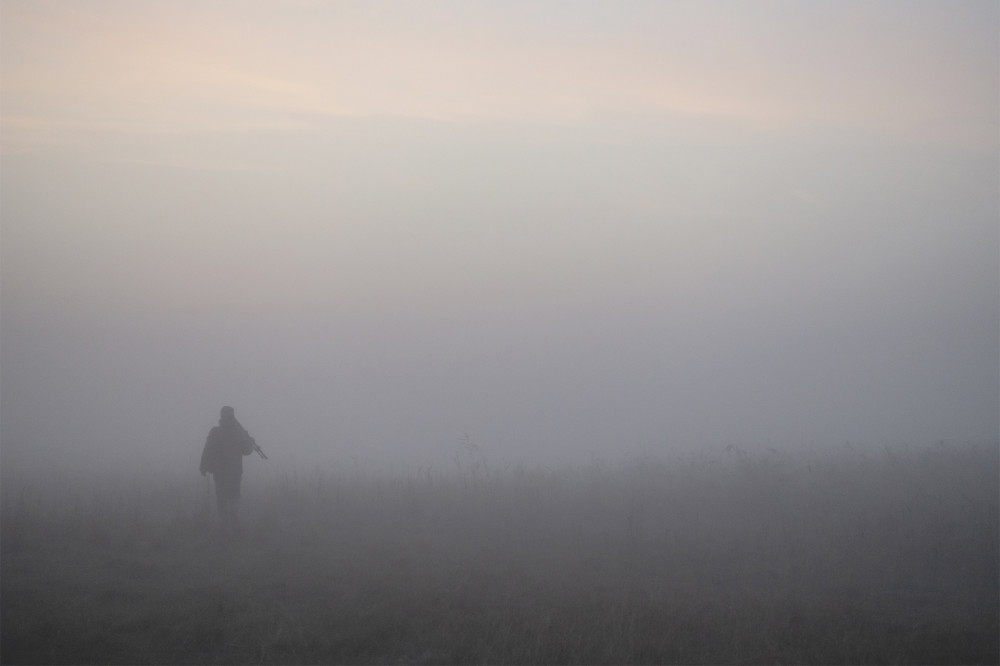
(247, 443)
(208, 454)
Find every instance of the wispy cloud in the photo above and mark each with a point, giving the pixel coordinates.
(885, 68)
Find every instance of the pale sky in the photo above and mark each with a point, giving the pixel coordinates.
(558, 230)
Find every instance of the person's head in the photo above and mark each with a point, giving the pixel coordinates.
(227, 414)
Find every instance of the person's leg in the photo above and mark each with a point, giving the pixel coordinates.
(228, 487)
(220, 495)
(224, 501)
(234, 501)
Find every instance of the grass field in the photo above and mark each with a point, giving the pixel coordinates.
(853, 557)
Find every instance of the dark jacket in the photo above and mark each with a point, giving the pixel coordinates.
(225, 447)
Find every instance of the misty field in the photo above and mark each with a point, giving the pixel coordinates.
(851, 557)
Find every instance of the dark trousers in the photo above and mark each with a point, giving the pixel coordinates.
(227, 496)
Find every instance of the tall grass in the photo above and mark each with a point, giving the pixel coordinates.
(854, 557)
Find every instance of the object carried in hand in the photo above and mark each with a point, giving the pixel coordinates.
(256, 447)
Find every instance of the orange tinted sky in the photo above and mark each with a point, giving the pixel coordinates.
(920, 70)
(561, 228)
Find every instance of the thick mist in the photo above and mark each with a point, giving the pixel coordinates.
(584, 250)
(633, 332)
(529, 308)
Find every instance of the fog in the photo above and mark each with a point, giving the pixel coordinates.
(632, 332)
(550, 236)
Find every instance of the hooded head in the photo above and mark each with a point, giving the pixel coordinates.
(227, 415)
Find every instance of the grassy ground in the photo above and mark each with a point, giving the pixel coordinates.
(853, 558)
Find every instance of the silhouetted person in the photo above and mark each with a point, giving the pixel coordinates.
(222, 456)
